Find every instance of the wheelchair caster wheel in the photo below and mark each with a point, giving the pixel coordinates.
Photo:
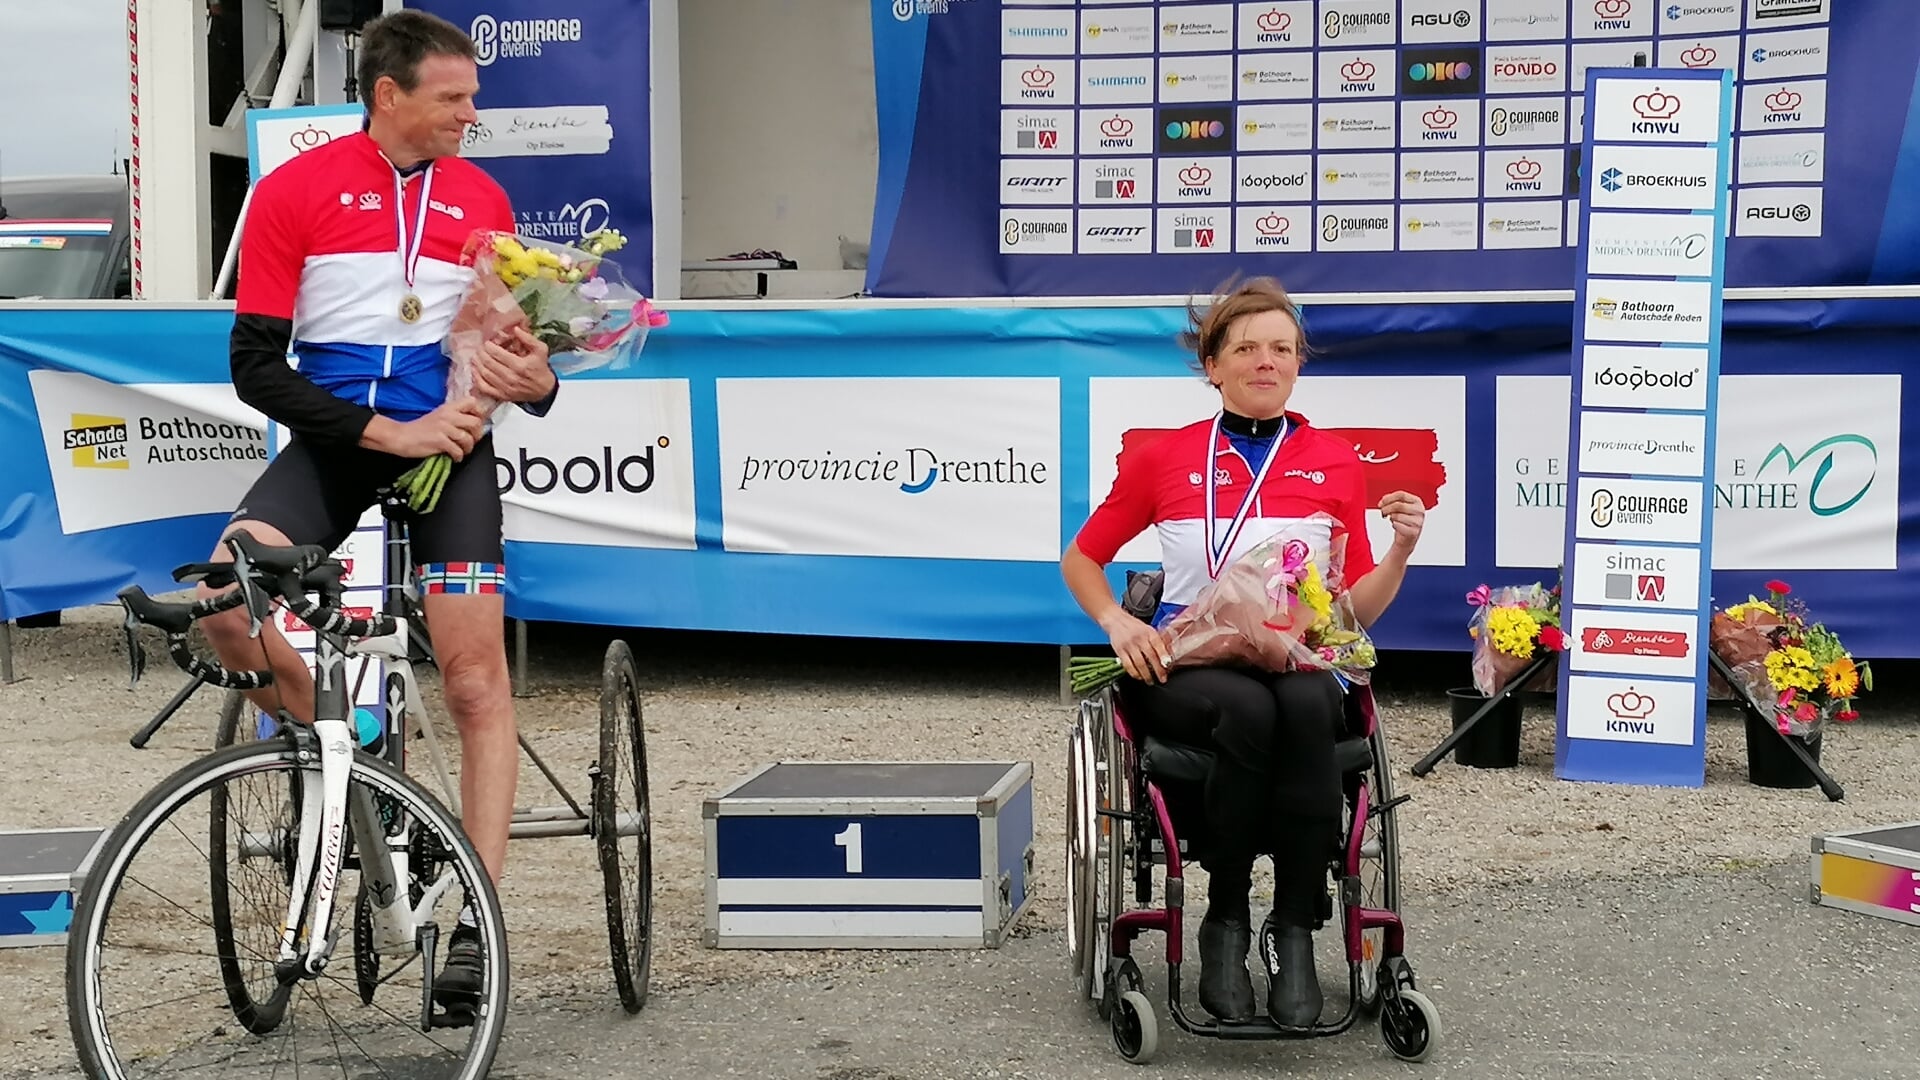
(1136, 1035)
(1410, 1025)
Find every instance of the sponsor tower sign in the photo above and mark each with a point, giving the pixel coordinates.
(1646, 360)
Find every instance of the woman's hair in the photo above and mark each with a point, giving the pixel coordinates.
(1252, 297)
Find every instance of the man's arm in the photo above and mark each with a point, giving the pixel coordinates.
(503, 221)
(257, 358)
(273, 251)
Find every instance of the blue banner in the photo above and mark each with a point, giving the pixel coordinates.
(565, 123)
(1063, 148)
(796, 472)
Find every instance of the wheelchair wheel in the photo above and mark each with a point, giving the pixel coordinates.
(1379, 869)
(1082, 833)
(1410, 1025)
(621, 809)
(1136, 1034)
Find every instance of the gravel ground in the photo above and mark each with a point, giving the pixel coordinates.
(718, 706)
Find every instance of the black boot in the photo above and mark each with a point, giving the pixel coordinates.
(1226, 933)
(1293, 987)
(1299, 886)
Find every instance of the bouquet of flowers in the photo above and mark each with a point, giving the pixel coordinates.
(1273, 608)
(1509, 626)
(1777, 654)
(571, 297)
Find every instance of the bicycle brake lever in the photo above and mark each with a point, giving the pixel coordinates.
(259, 608)
(136, 652)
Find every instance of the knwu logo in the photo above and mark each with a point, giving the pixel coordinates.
(1657, 112)
(509, 39)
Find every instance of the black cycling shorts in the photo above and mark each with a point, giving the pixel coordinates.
(317, 495)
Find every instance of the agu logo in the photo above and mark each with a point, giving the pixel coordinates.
(97, 442)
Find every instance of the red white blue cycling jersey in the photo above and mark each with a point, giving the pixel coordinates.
(1163, 484)
(336, 239)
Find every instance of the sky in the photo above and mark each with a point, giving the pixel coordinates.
(52, 119)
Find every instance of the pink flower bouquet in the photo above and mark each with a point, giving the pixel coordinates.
(1275, 608)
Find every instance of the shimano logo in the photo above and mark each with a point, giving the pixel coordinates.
(498, 39)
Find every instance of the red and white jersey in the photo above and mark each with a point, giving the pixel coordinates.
(1162, 484)
(329, 242)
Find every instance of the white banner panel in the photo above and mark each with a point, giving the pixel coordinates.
(954, 468)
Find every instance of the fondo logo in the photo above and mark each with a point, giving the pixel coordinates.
(582, 474)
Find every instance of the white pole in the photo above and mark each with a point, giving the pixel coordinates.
(166, 51)
(285, 91)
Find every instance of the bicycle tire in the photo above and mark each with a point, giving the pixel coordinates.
(85, 1012)
(258, 1017)
(622, 769)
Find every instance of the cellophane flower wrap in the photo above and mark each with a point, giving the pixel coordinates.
(1787, 663)
(1510, 626)
(1277, 607)
(571, 297)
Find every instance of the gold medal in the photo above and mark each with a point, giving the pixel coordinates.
(410, 308)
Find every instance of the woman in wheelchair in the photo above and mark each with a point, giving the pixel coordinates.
(1211, 490)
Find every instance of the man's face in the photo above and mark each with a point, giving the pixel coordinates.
(433, 117)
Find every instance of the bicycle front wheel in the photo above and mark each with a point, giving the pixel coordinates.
(150, 976)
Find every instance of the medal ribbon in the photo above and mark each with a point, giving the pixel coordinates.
(410, 253)
(1217, 552)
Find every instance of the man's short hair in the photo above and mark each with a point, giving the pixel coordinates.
(394, 44)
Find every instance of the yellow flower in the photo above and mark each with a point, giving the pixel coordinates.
(1843, 679)
(1741, 611)
(1514, 631)
(1313, 592)
(1792, 668)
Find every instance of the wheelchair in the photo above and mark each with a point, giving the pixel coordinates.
(1126, 793)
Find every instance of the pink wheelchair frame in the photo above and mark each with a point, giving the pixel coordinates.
(1122, 791)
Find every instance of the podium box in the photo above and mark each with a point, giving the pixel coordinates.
(869, 855)
(1872, 871)
(41, 874)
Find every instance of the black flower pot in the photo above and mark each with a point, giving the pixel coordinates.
(1771, 762)
(1494, 742)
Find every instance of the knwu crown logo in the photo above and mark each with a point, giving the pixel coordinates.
(1657, 111)
(1699, 56)
(1632, 712)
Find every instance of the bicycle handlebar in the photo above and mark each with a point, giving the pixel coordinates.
(263, 574)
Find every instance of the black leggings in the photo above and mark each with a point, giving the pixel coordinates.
(1273, 788)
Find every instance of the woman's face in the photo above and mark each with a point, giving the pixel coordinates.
(1258, 361)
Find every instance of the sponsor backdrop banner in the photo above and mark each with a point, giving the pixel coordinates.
(1632, 706)
(564, 116)
(801, 472)
(1362, 145)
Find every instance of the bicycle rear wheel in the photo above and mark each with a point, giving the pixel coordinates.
(146, 992)
(620, 809)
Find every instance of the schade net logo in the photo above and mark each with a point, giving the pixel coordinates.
(106, 442)
(914, 470)
(609, 472)
(97, 442)
(1606, 509)
(510, 39)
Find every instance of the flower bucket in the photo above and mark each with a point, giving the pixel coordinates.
(1771, 762)
(1494, 742)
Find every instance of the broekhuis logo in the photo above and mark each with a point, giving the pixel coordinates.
(581, 474)
(914, 470)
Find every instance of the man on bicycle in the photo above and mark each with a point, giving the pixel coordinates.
(349, 264)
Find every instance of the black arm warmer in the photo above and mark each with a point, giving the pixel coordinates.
(257, 356)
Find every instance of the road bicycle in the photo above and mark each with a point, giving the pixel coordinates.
(616, 816)
(328, 810)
